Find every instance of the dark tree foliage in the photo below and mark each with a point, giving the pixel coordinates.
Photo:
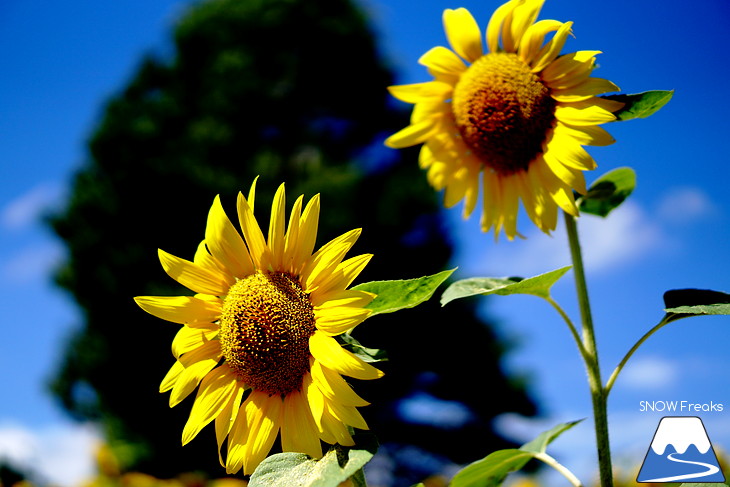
(293, 91)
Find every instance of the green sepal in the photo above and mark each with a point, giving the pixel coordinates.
(396, 295)
(684, 303)
(365, 353)
(337, 465)
(640, 105)
(494, 468)
(608, 192)
(504, 286)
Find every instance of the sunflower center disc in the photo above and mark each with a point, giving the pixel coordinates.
(503, 112)
(265, 325)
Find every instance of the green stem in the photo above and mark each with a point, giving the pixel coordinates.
(571, 327)
(548, 460)
(598, 394)
(628, 355)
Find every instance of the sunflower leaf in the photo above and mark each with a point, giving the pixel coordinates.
(539, 444)
(503, 286)
(640, 105)
(396, 295)
(492, 470)
(287, 469)
(683, 303)
(365, 353)
(608, 192)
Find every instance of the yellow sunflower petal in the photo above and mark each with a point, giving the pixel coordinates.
(225, 243)
(510, 206)
(342, 277)
(417, 92)
(571, 177)
(298, 431)
(224, 421)
(253, 235)
(495, 24)
(307, 234)
(585, 90)
(347, 414)
(343, 297)
(185, 310)
(324, 262)
(413, 134)
(522, 18)
(326, 349)
(534, 38)
(263, 414)
(569, 152)
(559, 191)
(334, 428)
(586, 135)
(237, 441)
(334, 387)
(276, 228)
(213, 395)
(336, 321)
(188, 339)
(200, 279)
(548, 209)
(569, 65)
(582, 114)
(291, 240)
(168, 382)
(551, 50)
(491, 200)
(204, 259)
(197, 364)
(440, 60)
(463, 33)
(314, 399)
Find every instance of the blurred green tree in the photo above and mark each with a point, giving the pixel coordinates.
(292, 91)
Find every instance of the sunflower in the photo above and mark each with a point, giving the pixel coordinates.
(516, 117)
(259, 336)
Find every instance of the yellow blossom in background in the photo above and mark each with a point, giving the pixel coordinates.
(514, 119)
(259, 336)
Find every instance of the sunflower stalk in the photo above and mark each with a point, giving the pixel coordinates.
(599, 395)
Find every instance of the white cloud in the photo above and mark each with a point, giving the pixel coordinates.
(27, 208)
(650, 373)
(60, 454)
(32, 263)
(684, 204)
(625, 236)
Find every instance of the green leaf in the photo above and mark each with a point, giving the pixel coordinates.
(492, 470)
(537, 286)
(539, 444)
(683, 303)
(397, 295)
(365, 353)
(640, 105)
(287, 469)
(608, 192)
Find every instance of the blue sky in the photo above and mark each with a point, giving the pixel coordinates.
(62, 61)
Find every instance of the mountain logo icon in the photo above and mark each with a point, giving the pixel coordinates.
(680, 452)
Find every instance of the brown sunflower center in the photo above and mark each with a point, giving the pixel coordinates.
(265, 325)
(503, 111)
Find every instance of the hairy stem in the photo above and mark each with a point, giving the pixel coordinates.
(598, 394)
